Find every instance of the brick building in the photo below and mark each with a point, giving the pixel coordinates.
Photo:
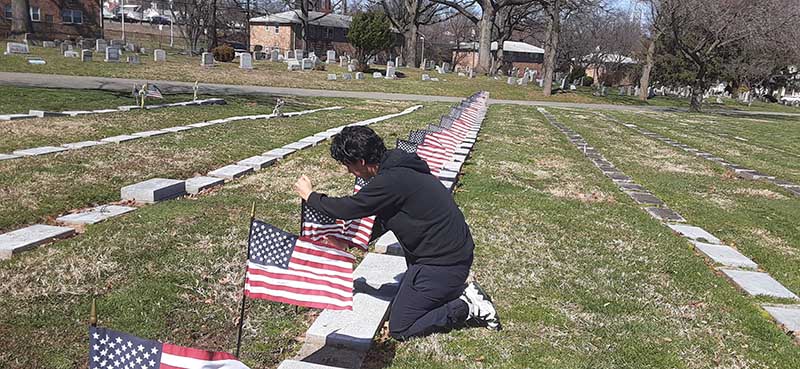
(283, 30)
(58, 19)
(515, 54)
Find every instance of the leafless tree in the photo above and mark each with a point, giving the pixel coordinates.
(702, 32)
(407, 16)
(21, 22)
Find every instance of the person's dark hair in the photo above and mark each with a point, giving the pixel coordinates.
(355, 143)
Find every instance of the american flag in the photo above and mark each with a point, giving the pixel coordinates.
(417, 136)
(317, 225)
(296, 270)
(407, 146)
(109, 349)
(434, 128)
(153, 91)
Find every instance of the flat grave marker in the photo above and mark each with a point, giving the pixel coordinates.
(725, 255)
(95, 215)
(39, 151)
(27, 238)
(196, 184)
(758, 284)
(694, 233)
(230, 172)
(258, 162)
(665, 214)
(153, 190)
(787, 316)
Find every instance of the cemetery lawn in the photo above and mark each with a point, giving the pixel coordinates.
(34, 189)
(266, 73)
(770, 144)
(22, 99)
(173, 271)
(756, 217)
(581, 276)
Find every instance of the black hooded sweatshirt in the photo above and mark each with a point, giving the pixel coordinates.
(412, 203)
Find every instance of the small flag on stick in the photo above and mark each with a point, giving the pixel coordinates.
(297, 270)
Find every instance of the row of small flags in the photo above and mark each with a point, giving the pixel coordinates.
(283, 267)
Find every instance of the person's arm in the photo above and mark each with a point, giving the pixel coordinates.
(368, 201)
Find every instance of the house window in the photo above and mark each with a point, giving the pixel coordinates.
(69, 16)
(48, 18)
(277, 29)
(328, 32)
(36, 14)
(7, 12)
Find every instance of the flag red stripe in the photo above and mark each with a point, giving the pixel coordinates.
(326, 255)
(302, 291)
(311, 304)
(256, 271)
(196, 353)
(322, 266)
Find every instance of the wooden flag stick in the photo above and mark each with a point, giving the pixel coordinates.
(244, 298)
(93, 314)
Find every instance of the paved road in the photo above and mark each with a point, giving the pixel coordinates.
(123, 84)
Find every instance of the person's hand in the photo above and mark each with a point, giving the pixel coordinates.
(336, 242)
(303, 187)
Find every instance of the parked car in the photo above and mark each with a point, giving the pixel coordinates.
(132, 14)
(157, 19)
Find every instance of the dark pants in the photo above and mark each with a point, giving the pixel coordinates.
(428, 302)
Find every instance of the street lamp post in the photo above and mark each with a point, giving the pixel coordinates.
(422, 55)
(171, 20)
(122, 10)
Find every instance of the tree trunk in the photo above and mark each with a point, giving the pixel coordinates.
(212, 42)
(551, 46)
(644, 82)
(411, 37)
(21, 22)
(485, 39)
(698, 87)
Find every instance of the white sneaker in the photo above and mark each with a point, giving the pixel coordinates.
(481, 308)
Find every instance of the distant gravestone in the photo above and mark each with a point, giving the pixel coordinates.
(307, 63)
(71, 54)
(159, 55)
(347, 76)
(117, 43)
(426, 77)
(245, 61)
(390, 73)
(17, 48)
(86, 55)
(66, 46)
(112, 54)
(133, 59)
(359, 75)
(351, 68)
(100, 45)
(446, 67)
(49, 44)
(331, 76)
(130, 47)
(298, 54)
(397, 61)
(331, 56)
(207, 59)
(275, 55)
(259, 55)
(342, 61)
(377, 75)
(389, 64)
(511, 80)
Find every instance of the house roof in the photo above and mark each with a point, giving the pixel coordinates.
(512, 46)
(609, 58)
(315, 18)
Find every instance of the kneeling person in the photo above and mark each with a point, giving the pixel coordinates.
(438, 246)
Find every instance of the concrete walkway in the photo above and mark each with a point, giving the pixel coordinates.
(124, 85)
